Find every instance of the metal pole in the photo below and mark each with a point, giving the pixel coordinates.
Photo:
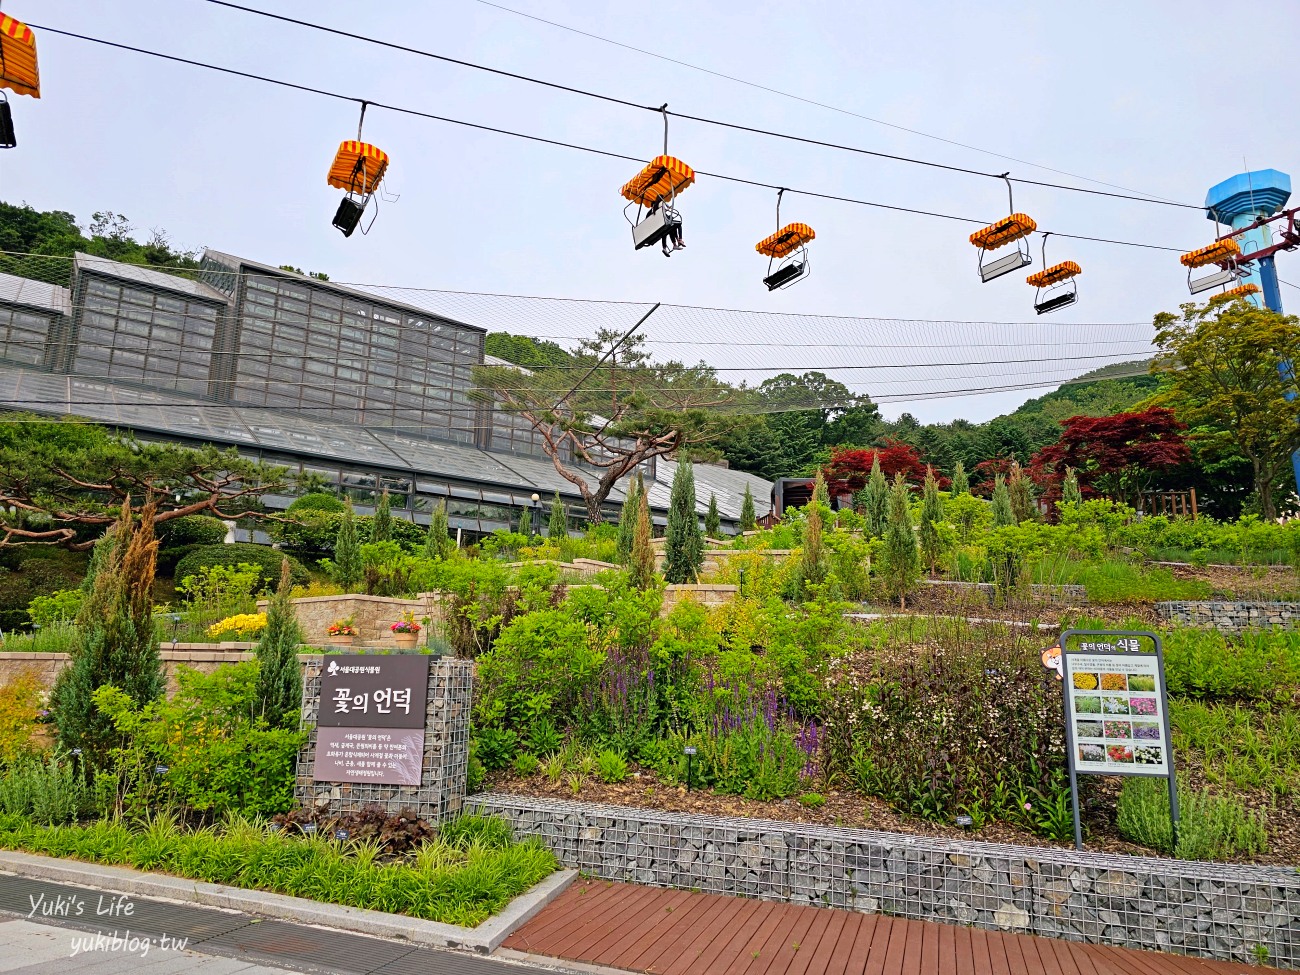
(1069, 745)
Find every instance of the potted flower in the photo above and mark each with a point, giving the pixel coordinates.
(342, 632)
(406, 632)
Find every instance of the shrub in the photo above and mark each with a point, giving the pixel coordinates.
(525, 764)
(261, 557)
(1210, 827)
(317, 501)
(48, 791)
(60, 606)
(1254, 666)
(279, 678)
(192, 530)
(239, 627)
(544, 737)
(611, 767)
(20, 700)
(495, 748)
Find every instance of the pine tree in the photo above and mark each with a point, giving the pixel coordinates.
(684, 546)
(437, 543)
(876, 499)
(526, 523)
(1070, 493)
(1022, 496)
(931, 515)
(821, 494)
(712, 520)
(558, 527)
(118, 647)
(641, 571)
(748, 520)
(813, 566)
(901, 561)
(627, 525)
(960, 482)
(279, 681)
(1003, 514)
(347, 569)
(381, 526)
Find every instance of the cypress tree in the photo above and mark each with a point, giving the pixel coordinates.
(684, 548)
(821, 494)
(902, 561)
(526, 523)
(876, 498)
(748, 520)
(279, 681)
(558, 527)
(347, 553)
(627, 524)
(812, 557)
(960, 482)
(119, 646)
(1070, 493)
(712, 520)
(437, 544)
(381, 527)
(1003, 514)
(641, 571)
(931, 515)
(1022, 496)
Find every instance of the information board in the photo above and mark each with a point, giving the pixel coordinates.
(371, 718)
(1116, 709)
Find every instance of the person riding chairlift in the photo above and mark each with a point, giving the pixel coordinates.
(674, 234)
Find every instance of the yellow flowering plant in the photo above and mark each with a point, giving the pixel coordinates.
(244, 626)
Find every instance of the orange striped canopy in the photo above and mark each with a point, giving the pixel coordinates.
(662, 177)
(1004, 231)
(1220, 250)
(1054, 274)
(358, 167)
(1233, 293)
(785, 241)
(18, 71)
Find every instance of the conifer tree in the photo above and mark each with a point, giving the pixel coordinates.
(1003, 514)
(279, 681)
(381, 526)
(641, 571)
(347, 569)
(118, 647)
(712, 520)
(558, 526)
(931, 515)
(821, 494)
(960, 481)
(627, 524)
(748, 520)
(437, 543)
(1070, 493)
(526, 523)
(1022, 496)
(901, 566)
(876, 499)
(684, 546)
(813, 566)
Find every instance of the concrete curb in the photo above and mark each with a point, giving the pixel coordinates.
(485, 938)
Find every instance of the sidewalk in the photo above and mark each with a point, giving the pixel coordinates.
(674, 932)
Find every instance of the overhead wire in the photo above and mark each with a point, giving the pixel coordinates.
(735, 126)
(810, 101)
(556, 142)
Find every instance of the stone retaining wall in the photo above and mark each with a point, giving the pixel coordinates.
(47, 666)
(1066, 594)
(1231, 617)
(373, 615)
(708, 596)
(1214, 910)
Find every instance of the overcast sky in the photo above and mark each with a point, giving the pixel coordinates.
(1150, 96)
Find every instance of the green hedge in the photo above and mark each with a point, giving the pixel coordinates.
(262, 556)
(192, 530)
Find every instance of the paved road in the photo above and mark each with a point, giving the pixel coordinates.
(61, 929)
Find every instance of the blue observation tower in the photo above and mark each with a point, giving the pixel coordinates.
(1247, 203)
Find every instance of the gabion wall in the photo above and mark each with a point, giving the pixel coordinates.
(1232, 617)
(1065, 594)
(1215, 910)
(446, 750)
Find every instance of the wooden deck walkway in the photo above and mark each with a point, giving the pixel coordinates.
(673, 932)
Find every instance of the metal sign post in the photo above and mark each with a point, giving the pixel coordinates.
(1116, 711)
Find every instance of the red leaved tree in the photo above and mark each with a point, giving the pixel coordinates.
(852, 465)
(1114, 456)
(983, 475)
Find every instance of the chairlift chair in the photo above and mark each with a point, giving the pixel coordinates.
(1056, 287)
(18, 72)
(1232, 294)
(359, 169)
(1223, 254)
(1014, 229)
(654, 193)
(789, 245)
